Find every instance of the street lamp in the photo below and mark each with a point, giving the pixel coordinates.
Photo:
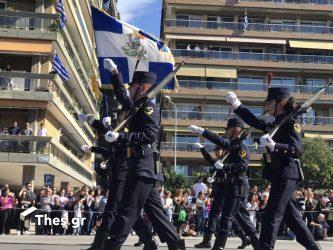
(175, 107)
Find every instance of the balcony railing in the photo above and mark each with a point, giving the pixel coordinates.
(303, 2)
(220, 116)
(24, 81)
(190, 147)
(247, 56)
(28, 20)
(198, 24)
(41, 145)
(255, 87)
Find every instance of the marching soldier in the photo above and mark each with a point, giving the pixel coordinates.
(140, 189)
(117, 168)
(217, 204)
(236, 186)
(282, 167)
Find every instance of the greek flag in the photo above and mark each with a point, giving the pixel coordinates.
(106, 5)
(246, 22)
(61, 10)
(59, 68)
(125, 45)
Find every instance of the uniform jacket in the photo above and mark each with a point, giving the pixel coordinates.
(281, 163)
(235, 165)
(143, 132)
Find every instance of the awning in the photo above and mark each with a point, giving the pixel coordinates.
(323, 136)
(215, 71)
(198, 38)
(25, 46)
(311, 44)
(192, 70)
(255, 40)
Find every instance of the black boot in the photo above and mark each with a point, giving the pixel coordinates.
(151, 245)
(99, 239)
(220, 242)
(206, 242)
(109, 245)
(245, 243)
(176, 245)
(315, 246)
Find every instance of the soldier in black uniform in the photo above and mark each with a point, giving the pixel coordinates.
(140, 187)
(217, 203)
(117, 170)
(236, 185)
(282, 167)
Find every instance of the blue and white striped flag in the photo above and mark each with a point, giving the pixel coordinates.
(125, 44)
(246, 22)
(59, 67)
(61, 10)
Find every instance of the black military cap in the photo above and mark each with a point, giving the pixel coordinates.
(235, 122)
(144, 77)
(278, 93)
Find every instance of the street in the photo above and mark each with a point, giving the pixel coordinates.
(33, 242)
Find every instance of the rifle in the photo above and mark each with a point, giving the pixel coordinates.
(153, 92)
(300, 109)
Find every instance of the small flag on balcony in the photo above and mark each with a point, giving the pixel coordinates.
(106, 4)
(125, 45)
(59, 68)
(61, 10)
(246, 22)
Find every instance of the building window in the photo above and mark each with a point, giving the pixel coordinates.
(248, 83)
(3, 5)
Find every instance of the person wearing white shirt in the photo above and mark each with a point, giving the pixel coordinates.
(200, 187)
(42, 131)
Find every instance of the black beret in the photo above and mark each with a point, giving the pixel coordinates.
(235, 122)
(144, 77)
(278, 93)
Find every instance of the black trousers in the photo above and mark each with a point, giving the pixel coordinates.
(6, 217)
(234, 210)
(139, 193)
(282, 204)
(116, 188)
(214, 217)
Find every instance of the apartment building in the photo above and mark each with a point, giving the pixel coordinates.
(30, 35)
(233, 46)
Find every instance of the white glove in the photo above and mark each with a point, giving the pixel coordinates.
(111, 136)
(210, 180)
(90, 118)
(266, 141)
(233, 100)
(86, 148)
(218, 165)
(199, 145)
(103, 165)
(196, 130)
(110, 65)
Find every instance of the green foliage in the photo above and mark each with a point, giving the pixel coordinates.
(317, 163)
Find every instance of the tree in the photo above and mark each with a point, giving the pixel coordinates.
(317, 163)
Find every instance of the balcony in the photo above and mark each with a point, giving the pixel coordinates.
(308, 63)
(218, 119)
(31, 90)
(20, 24)
(45, 153)
(212, 25)
(253, 87)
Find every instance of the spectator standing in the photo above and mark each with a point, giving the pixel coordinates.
(42, 131)
(199, 217)
(252, 206)
(88, 207)
(168, 205)
(7, 202)
(14, 130)
(97, 199)
(26, 132)
(28, 129)
(63, 202)
(24, 202)
(199, 187)
(46, 204)
(78, 207)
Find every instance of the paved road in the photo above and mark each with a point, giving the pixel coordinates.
(33, 242)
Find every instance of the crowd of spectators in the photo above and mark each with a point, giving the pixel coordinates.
(188, 209)
(64, 204)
